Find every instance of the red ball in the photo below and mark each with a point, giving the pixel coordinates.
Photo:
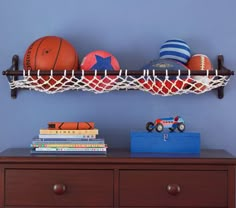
(100, 60)
(161, 85)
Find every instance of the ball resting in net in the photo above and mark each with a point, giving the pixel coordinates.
(147, 82)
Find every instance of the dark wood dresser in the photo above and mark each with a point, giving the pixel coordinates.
(119, 179)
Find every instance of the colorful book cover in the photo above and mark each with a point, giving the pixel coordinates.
(95, 140)
(66, 145)
(67, 136)
(69, 132)
(87, 153)
(67, 149)
(67, 142)
(71, 125)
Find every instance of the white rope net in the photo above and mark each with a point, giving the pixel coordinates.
(149, 82)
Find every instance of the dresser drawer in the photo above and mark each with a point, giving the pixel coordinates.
(173, 188)
(59, 188)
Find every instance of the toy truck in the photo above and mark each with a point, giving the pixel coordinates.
(171, 123)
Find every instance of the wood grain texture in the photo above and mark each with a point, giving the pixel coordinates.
(119, 179)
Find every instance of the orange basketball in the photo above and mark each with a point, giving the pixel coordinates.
(51, 52)
(200, 62)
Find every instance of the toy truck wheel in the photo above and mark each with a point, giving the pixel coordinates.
(159, 127)
(171, 129)
(150, 126)
(181, 127)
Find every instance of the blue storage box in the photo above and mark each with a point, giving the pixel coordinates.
(171, 142)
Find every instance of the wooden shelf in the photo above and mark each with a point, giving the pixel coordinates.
(13, 74)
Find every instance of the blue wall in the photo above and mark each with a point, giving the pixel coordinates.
(133, 30)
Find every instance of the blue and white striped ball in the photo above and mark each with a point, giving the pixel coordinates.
(175, 49)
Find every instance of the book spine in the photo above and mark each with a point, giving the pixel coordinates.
(56, 145)
(33, 152)
(79, 132)
(71, 125)
(68, 136)
(68, 139)
(68, 142)
(70, 149)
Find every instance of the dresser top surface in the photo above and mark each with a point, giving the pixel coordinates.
(122, 153)
(206, 156)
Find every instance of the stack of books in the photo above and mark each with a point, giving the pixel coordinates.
(69, 138)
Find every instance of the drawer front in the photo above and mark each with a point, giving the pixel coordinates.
(173, 188)
(59, 188)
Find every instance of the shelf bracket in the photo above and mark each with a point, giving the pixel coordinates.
(220, 63)
(14, 67)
